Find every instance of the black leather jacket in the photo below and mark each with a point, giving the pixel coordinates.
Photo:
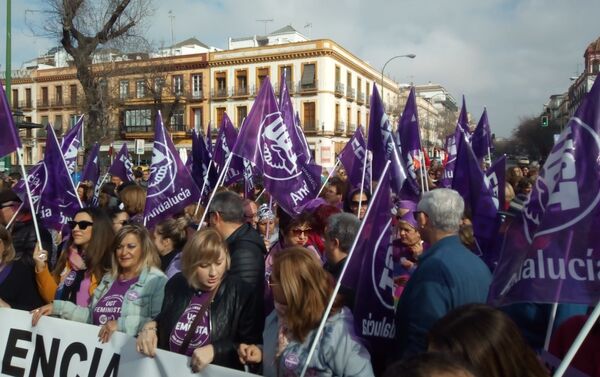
(232, 317)
(24, 240)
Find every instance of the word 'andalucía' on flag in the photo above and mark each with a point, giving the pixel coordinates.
(353, 157)
(9, 138)
(556, 259)
(265, 141)
(70, 144)
(122, 166)
(170, 187)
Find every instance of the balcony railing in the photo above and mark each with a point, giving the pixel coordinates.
(71, 101)
(350, 94)
(241, 91)
(352, 127)
(309, 126)
(339, 89)
(368, 101)
(290, 87)
(307, 87)
(220, 93)
(57, 102)
(25, 104)
(178, 128)
(43, 103)
(361, 98)
(196, 95)
(340, 127)
(137, 129)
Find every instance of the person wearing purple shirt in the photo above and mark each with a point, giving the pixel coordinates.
(128, 296)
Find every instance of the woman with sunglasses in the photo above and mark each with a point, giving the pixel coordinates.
(357, 203)
(302, 290)
(85, 258)
(206, 312)
(128, 296)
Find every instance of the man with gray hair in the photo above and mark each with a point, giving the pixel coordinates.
(340, 233)
(448, 274)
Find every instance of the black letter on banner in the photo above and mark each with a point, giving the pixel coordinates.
(12, 351)
(48, 364)
(113, 367)
(72, 349)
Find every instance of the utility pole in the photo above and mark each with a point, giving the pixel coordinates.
(172, 17)
(265, 21)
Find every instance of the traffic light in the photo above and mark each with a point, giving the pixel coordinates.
(544, 120)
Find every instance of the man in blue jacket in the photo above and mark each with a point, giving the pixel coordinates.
(448, 274)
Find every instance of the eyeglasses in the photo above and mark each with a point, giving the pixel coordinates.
(270, 282)
(299, 232)
(83, 225)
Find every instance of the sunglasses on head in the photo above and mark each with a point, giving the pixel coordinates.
(81, 224)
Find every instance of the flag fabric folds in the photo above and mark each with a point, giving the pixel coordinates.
(171, 187)
(353, 158)
(91, 171)
(71, 143)
(481, 141)
(9, 142)
(122, 166)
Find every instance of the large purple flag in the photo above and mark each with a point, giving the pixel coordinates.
(70, 144)
(171, 186)
(410, 144)
(474, 187)
(9, 138)
(558, 260)
(265, 141)
(122, 166)
(382, 144)
(481, 140)
(36, 177)
(91, 172)
(287, 113)
(226, 139)
(451, 150)
(370, 270)
(463, 119)
(353, 158)
(496, 175)
(200, 163)
(58, 199)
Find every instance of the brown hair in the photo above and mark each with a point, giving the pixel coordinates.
(307, 288)
(97, 255)
(9, 250)
(487, 339)
(205, 246)
(149, 257)
(134, 199)
(174, 230)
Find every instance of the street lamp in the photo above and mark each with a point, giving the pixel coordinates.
(410, 56)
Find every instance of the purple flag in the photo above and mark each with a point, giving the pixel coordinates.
(171, 186)
(91, 172)
(58, 199)
(482, 137)
(557, 260)
(226, 139)
(209, 143)
(370, 270)
(451, 151)
(70, 144)
(200, 163)
(410, 144)
(36, 177)
(9, 140)
(122, 165)
(353, 157)
(382, 144)
(474, 187)
(463, 119)
(287, 113)
(264, 140)
(496, 175)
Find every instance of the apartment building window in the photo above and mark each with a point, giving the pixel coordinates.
(338, 74)
(178, 85)
(159, 84)
(308, 80)
(198, 119)
(73, 91)
(289, 78)
(349, 80)
(358, 118)
(138, 120)
(177, 120)
(242, 112)
(123, 89)
(28, 155)
(221, 84)
(58, 122)
(358, 84)
(220, 114)
(73, 120)
(15, 99)
(45, 96)
(348, 117)
(197, 86)
(28, 97)
(59, 95)
(241, 82)
(337, 115)
(308, 115)
(140, 89)
(261, 75)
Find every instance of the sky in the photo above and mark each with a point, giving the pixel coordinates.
(506, 55)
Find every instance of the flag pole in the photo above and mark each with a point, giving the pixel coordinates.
(219, 183)
(328, 177)
(339, 280)
(31, 207)
(62, 157)
(203, 186)
(95, 198)
(259, 195)
(424, 169)
(585, 330)
(269, 221)
(362, 184)
(14, 216)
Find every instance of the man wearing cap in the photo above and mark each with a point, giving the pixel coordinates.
(22, 228)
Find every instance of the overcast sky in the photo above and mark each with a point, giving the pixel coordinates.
(509, 56)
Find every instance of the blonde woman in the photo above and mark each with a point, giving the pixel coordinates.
(128, 296)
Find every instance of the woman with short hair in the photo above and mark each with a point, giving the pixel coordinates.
(128, 296)
(206, 312)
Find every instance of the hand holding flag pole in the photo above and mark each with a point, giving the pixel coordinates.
(336, 289)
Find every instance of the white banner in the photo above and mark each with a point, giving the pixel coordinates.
(66, 348)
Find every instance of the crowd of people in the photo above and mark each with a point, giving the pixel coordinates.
(250, 288)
